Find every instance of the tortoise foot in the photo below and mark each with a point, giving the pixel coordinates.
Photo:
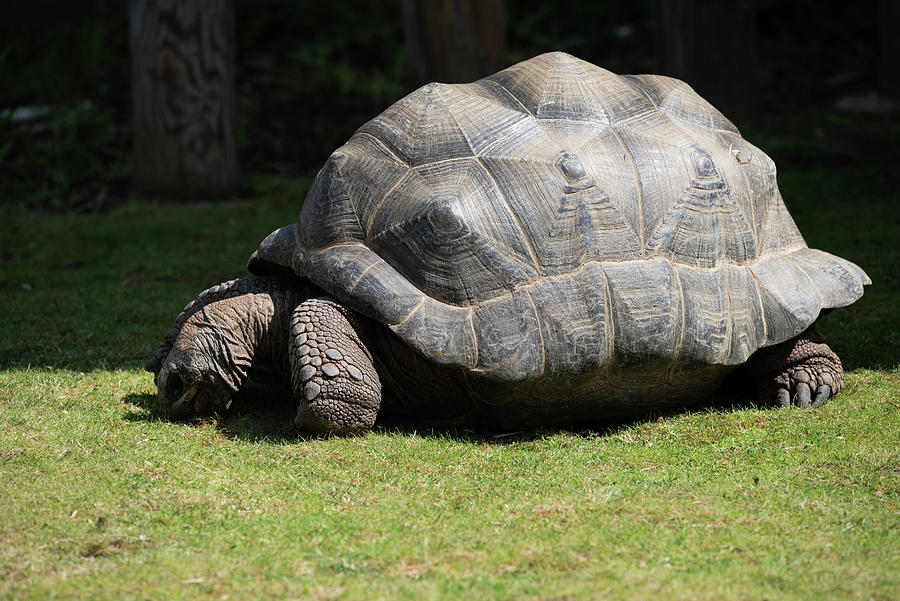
(332, 375)
(802, 386)
(800, 372)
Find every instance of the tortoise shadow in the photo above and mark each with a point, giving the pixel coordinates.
(142, 408)
(735, 394)
(259, 413)
(265, 414)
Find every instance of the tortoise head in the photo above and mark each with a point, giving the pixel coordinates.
(205, 357)
(198, 376)
(192, 381)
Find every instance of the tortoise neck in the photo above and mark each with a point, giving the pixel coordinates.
(268, 326)
(249, 333)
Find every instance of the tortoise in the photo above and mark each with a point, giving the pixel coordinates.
(551, 244)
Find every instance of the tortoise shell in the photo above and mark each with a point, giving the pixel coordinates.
(557, 218)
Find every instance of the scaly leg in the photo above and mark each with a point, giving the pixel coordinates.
(332, 375)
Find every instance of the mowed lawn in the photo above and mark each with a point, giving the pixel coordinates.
(100, 498)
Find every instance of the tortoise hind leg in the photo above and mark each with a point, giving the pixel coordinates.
(802, 371)
(332, 375)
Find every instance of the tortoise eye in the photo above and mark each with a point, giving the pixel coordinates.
(174, 386)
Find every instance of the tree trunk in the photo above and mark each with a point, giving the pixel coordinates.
(182, 56)
(889, 69)
(453, 41)
(711, 45)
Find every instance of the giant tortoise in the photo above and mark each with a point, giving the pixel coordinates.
(551, 244)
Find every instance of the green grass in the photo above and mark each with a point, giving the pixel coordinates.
(100, 498)
(103, 500)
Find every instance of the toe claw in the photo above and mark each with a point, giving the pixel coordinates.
(784, 397)
(802, 397)
(823, 393)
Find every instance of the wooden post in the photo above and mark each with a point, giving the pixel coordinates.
(453, 41)
(889, 68)
(183, 98)
(712, 46)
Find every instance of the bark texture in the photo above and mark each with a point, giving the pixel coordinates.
(889, 67)
(183, 96)
(453, 41)
(711, 46)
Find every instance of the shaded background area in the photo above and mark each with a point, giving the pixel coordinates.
(309, 73)
(86, 286)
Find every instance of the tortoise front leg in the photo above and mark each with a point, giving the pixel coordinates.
(332, 375)
(802, 371)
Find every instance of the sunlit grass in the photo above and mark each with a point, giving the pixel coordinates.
(104, 500)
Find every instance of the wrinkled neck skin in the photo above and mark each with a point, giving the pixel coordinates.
(220, 345)
(246, 333)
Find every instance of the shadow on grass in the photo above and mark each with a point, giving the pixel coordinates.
(258, 414)
(265, 414)
(148, 408)
(736, 394)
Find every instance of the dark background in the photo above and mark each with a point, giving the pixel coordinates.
(309, 73)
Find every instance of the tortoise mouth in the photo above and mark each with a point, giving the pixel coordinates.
(196, 401)
(202, 403)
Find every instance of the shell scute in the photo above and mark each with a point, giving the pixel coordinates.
(556, 218)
